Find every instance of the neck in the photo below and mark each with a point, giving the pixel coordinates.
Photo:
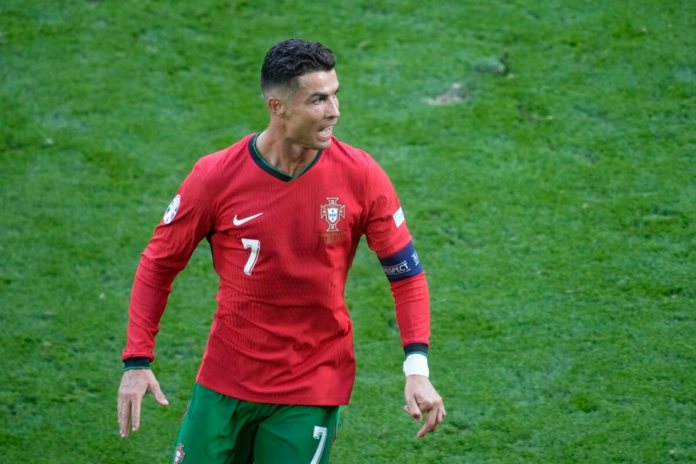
(281, 153)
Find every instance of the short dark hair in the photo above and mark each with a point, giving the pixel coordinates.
(286, 61)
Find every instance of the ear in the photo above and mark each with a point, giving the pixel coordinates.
(276, 105)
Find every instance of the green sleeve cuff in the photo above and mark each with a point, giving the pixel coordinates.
(136, 363)
(411, 348)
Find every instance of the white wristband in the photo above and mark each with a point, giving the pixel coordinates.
(416, 364)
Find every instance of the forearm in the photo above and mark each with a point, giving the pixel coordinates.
(151, 288)
(412, 303)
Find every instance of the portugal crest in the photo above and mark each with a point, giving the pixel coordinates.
(332, 212)
(179, 454)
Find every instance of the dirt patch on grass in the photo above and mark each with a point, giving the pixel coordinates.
(456, 94)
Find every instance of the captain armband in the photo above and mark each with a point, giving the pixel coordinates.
(402, 265)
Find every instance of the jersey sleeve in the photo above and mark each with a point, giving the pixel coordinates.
(388, 236)
(187, 220)
(386, 229)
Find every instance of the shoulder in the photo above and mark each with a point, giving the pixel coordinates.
(352, 157)
(217, 167)
(212, 162)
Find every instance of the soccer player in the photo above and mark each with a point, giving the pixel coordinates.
(283, 211)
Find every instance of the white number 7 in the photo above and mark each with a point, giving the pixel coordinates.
(319, 434)
(255, 246)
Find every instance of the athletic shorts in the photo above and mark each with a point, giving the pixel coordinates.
(218, 429)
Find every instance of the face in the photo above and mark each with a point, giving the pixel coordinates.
(311, 111)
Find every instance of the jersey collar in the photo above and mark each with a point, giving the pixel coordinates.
(263, 164)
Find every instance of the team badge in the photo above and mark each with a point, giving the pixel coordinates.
(179, 454)
(332, 212)
(172, 209)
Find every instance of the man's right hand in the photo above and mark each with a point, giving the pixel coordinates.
(134, 384)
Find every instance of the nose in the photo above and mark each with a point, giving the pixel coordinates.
(333, 111)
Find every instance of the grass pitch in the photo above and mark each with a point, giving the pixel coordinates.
(545, 158)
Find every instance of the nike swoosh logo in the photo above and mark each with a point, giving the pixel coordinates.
(239, 222)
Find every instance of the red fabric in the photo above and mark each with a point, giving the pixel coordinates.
(412, 309)
(281, 334)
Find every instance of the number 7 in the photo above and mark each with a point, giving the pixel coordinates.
(319, 434)
(255, 246)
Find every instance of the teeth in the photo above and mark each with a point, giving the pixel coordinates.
(325, 132)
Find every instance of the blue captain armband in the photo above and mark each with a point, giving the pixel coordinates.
(402, 265)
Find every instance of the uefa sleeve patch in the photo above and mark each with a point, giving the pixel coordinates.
(399, 217)
(402, 265)
(172, 209)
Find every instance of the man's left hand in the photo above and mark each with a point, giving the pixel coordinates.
(421, 398)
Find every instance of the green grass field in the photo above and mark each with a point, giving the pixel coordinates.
(553, 202)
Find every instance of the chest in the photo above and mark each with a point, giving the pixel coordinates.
(318, 210)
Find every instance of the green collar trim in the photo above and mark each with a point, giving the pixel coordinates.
(263, 164)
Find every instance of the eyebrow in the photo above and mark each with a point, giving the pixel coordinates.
(323, 94)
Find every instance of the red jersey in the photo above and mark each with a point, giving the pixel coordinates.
(282, 247)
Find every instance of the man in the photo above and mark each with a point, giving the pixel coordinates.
(283, 211)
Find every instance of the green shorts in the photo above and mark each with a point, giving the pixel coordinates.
(218, 429)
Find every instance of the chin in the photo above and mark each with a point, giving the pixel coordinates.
(321, 144)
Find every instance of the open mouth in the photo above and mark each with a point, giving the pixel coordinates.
(326, 132)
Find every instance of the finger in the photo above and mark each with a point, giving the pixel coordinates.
(123, 416)
(412, 409)
(440, 415)
(159, 396)
(426, 429)
(408, 411)
(135, 412)
(430, 424)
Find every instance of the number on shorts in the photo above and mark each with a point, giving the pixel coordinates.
(255, 246)
(319, 434)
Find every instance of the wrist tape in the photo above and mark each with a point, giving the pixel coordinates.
(416, 364)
